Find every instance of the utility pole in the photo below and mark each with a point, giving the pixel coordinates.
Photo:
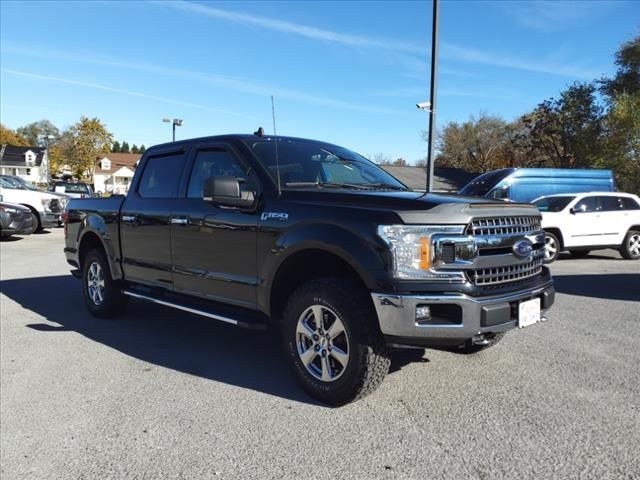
(432, 95)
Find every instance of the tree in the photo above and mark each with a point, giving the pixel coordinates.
(476, 145)
(134, 149)
(380, 158)
(42, 133)
(567, 131)
(88, 140)
(125, 147)
(142, 149)
(116, 148)
(627, 78)
(9, 137)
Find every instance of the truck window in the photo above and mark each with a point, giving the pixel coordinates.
(212, 163)
(161, 176)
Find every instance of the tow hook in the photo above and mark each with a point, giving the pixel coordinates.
(480, 340)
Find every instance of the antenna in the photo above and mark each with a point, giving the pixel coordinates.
(275, 139)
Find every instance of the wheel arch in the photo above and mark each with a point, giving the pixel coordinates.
(558, 233)
(92, 238)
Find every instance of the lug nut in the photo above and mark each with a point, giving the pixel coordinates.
(315, 337)
(316, 348)
(324, 353)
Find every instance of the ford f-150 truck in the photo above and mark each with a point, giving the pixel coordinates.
(313, 238)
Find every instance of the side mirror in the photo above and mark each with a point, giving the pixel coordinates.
(572, 211)
(225, 191)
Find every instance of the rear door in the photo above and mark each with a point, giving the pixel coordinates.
(145, 227)
(612, 220)
(214, 248)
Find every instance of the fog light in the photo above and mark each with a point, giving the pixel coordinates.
(423, 313)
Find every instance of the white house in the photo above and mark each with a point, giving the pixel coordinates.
(29, 163)
(114, 172)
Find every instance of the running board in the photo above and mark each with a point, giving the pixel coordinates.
(196, 311)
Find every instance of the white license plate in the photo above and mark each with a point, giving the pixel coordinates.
(529, 312)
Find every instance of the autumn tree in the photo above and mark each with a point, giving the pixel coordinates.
(88, 140)
(10, 137)
(627, 78)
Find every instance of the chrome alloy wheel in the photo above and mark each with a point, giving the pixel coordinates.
(322, 342)
(550, 248)
(95, 283)
(634, 245)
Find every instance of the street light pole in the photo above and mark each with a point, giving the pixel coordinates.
(432, 94)
(177, 122)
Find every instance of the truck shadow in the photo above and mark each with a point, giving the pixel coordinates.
(619, 286)
(170, 338)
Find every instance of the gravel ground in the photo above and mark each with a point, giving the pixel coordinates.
(164, 394)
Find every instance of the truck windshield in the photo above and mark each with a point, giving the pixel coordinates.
(553, 204)
(482, 184)
(305, 164)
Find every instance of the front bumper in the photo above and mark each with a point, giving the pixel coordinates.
(50, 219)
(455, 317)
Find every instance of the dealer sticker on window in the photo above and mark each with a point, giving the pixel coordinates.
(528, 312)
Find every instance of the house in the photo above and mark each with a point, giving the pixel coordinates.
(444, 179)
(28, 163)
(114, 172)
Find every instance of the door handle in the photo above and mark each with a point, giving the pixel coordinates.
(180, 221)
(129, 218)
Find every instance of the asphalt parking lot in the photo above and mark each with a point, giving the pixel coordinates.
(164, 394)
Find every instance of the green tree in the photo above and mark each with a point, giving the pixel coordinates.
(10, 137)
(116, 148)
(134, 149)
(125, 147)
(42, 133)
(143, 148)
(627, 78)
(88, 140)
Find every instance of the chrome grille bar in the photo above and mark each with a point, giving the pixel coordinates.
(505, 225)
(511, 273)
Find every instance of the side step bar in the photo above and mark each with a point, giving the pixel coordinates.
(202, 313)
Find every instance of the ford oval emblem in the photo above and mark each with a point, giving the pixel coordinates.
(522, 248)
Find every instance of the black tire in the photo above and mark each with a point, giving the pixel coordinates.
(368, 358)
(552, 247)
(579, 253)
(469, 348)
(630, 248)
(36, 225)
(112, 302)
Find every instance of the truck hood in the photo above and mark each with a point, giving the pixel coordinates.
(414, 207)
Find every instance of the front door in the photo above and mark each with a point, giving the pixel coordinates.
(214, 248)
(584, 227)
(145, 228)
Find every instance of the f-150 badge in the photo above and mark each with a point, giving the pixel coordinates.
(280, 217)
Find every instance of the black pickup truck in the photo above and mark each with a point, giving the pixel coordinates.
(313, 238)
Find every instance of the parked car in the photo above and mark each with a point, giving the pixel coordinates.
(14, 219)
(525, 184)
(46, 208)
(73, 190)
(590, 221)
(317, 240)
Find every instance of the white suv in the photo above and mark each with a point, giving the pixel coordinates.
(581, 222)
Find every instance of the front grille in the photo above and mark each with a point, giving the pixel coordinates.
(54, 206)
(496, 276)
(505, 225)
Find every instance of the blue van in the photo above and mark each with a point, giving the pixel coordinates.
(526, 184)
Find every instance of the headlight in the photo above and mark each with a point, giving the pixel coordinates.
(412, 249)
(45, 204)
(8, 209)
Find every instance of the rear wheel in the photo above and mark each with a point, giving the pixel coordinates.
(579, 253)
(551, 247)
(336, 352)
(102, 294)
(630, 248)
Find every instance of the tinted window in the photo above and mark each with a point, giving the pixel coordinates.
(629, 203)
(161, 176)
(553, 204)
(212, 163)
(609, 204)
(304, 163)
(481, 185)
(587, 204)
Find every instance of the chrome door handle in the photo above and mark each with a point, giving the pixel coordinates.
(128, 218)
(180, 221)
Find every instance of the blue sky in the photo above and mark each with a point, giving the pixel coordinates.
(346, 72)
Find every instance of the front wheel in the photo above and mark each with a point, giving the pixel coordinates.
(630, 248)
(336, 352)
(551, 247)
(102, 294)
